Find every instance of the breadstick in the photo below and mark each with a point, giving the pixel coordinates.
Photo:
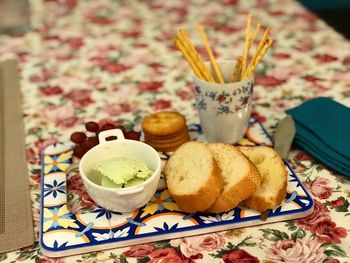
(251, 41)
(261, 54)
(246, 49)
(237, 71)
(215, 66)
(259, 48)
(192, 64)
(193, 58)
(257, 28)
(197, 58)
(263, 51)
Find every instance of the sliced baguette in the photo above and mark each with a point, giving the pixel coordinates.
(241, 179)
(274, 174)
(193, 177)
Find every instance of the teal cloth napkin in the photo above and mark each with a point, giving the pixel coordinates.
(323, 130)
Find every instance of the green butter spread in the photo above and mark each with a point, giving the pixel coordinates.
(122, 172)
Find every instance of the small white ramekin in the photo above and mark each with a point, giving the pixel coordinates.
(120, 199)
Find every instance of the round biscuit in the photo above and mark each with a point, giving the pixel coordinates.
(179, 137)
(168, 142)
(162, 146)
(163, 123)
(178, 133)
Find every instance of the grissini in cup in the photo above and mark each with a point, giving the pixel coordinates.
(245, 67)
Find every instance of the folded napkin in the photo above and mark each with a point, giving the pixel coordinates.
(323, 130)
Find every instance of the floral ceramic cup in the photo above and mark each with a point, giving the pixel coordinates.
(224, 109)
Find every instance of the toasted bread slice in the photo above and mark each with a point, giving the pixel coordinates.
(241, 179)
(274, 174)
(193, 177)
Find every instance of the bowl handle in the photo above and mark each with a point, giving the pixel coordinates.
(102, 136)
(133, 191)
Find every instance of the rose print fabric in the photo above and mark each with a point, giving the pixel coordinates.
(114, 62)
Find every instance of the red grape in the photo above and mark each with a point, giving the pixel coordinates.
(78, 137)
(84, 143)
(90, 142)
(132, 135)
(79, 151)
(107, 126)
(91, 126)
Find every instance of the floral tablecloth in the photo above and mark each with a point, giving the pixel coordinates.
(114, 61)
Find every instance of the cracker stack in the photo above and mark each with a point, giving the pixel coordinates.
(165, 131)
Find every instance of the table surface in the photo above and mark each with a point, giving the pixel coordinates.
(114, 61)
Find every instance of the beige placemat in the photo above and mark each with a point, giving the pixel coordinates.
(16, 224)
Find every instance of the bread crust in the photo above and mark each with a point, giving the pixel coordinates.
(255, 177)
(231, 198)
(241, 190)
(204, 197)
(263, 203)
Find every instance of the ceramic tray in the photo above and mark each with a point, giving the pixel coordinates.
(64, 233)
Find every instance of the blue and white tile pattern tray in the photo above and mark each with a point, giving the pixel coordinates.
(64, 233)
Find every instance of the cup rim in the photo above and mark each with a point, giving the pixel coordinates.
(126, 189)
(230, 84)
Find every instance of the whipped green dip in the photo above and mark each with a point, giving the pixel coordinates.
(122, 172)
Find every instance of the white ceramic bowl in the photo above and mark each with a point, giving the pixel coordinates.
(120, 199)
